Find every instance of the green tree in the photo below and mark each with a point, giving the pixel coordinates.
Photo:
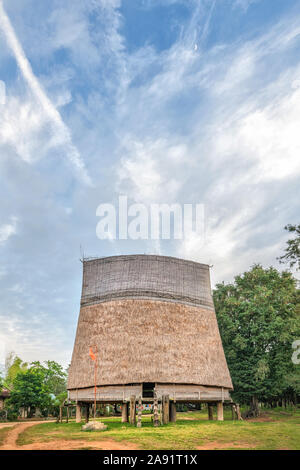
(292, 251)
(29, 391)
(54, 377)
(258, 317)
(13, 366)
(60, 401)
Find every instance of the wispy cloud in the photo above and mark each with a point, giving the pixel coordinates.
(60, 134)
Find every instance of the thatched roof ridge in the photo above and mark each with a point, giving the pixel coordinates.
(108, 259)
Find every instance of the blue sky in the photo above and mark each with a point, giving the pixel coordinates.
(189, 101)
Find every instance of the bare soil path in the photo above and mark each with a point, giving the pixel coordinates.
(7, 425)
(10, 443)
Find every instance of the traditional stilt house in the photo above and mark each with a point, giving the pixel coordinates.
(151, 326)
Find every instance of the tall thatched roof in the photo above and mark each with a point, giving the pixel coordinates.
(151, 319)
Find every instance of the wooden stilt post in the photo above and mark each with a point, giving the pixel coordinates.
(139, 420)
(87, 413)
(220, 412)
(67, 418)
(233, 412)
(165, 408)
(155, 412)
(238, 412)
(132, 410)
(210, 408)
(125, 413)
(78, 413)
(172, 412)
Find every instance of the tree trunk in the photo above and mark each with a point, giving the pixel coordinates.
(253, 412)
(254, 409)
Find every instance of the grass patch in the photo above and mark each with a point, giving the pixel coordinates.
(281, 430)
(3, 433)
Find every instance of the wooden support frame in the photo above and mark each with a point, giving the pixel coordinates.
(165, 409)
(220, 411)
(140, 407)
(236, 412)
(156, 422)
(172, 412)
(78, 413)
(210, 409)
(125, 412)
(132, 410)
(87, 413)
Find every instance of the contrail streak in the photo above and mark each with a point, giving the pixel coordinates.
(63, 133)
(207, 23)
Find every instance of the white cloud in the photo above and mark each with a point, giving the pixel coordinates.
(7, 230)
(32, 340)
(144, 173)
(267, 136)
(25, 128)
(245, 4)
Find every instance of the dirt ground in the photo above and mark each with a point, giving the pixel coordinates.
(10, 443)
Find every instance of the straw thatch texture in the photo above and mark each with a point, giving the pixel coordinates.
(141, 340)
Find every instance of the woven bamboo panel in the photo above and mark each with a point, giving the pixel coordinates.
(179, 393)
(145, 276)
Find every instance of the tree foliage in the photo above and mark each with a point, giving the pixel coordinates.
(292, 251)
(34, 385)
(29, 391)
(13, 366)
(258, 317)
(54, 377)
